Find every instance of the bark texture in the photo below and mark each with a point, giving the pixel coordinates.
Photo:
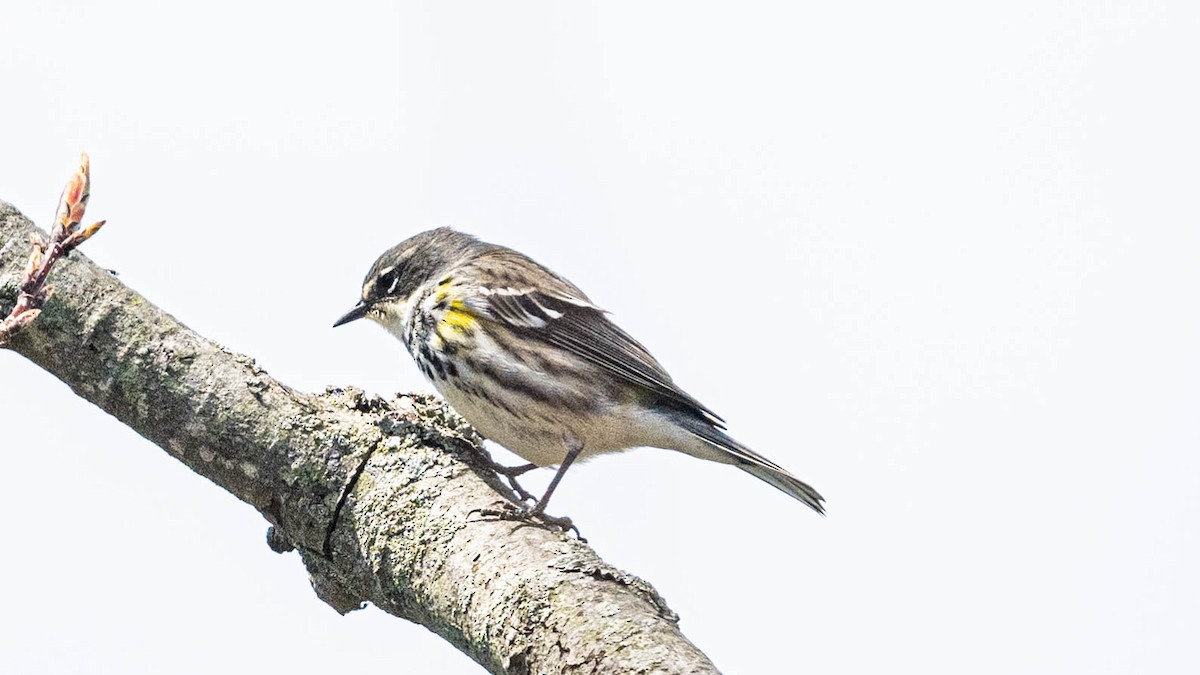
(375, 495)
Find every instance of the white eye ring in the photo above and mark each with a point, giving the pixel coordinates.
(383, 273)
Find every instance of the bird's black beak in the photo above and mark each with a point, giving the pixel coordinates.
(359, 311)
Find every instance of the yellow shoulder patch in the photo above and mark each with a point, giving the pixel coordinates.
(458, 320)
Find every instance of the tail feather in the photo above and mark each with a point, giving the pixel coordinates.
(730, 451)
(787, 483)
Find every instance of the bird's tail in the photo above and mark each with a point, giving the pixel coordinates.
(718, 446)
(788, 483)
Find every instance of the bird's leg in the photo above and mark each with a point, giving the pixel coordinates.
(574, 447)
(510, 474)
(538, 512)
(513, 471)
(523, 494)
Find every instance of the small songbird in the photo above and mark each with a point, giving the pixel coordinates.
(532, 364)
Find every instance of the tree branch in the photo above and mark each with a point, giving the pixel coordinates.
(375, 495)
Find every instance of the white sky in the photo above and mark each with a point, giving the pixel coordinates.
(939, 259)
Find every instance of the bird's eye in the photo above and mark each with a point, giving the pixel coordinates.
(386, 284)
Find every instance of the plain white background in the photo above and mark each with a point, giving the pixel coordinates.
(938, 258)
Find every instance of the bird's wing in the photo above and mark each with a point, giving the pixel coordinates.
(560, 317)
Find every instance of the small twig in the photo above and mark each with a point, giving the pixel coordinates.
(65, 236)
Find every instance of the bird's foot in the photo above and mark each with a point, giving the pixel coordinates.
(525, 514)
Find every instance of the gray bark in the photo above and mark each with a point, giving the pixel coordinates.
(375, 495)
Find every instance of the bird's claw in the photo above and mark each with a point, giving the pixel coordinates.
(525, 514)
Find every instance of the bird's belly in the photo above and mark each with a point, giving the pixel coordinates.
(516, 424)
(539, 434)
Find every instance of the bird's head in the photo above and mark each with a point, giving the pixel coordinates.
(397, 277)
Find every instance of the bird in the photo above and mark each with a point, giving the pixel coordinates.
(531, 363)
